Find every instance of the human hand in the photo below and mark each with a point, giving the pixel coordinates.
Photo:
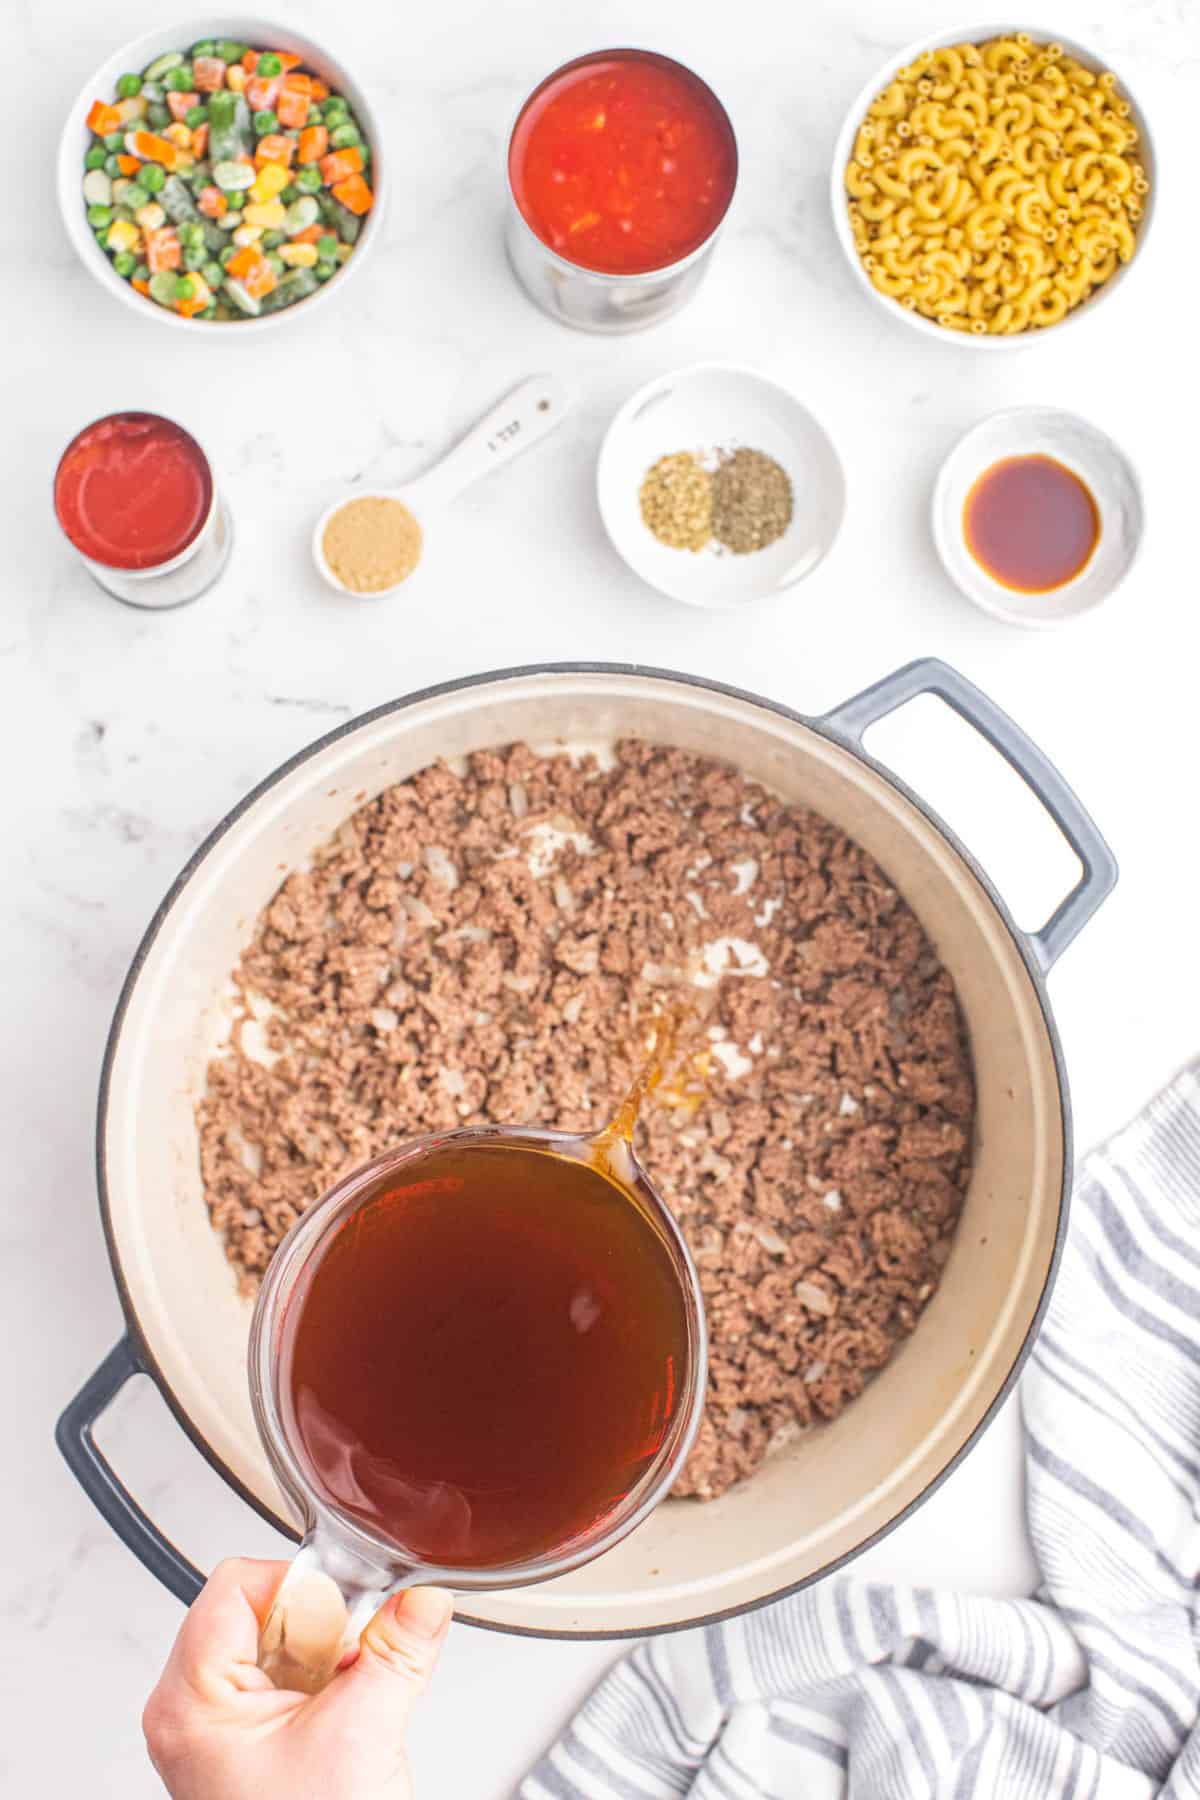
(217, 1729)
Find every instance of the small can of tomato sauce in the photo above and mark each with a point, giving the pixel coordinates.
(135, 495)
(622, 167)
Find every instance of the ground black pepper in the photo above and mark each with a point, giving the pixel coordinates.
(752, 500)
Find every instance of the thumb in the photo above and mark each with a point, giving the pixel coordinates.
(398, 1653)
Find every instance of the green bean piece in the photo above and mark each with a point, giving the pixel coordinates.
(268, 65)
(230, 133)
(99, 217)
(308, 179)
(161, 65)
(162, 287)
(265, 123)
(324, 270)
(180, 79)
(124, 262)
(271, 240)
(345, 223)
(245, 303)
(287, 194)
(158, 117)
(209, 311)
(344, 136)
(135, 196)
(115, 141)
(177, 202)
(195, 257)
(227, 255)
(297, 284)
(128, 86)
(153, 177)
(195, 115)
(314, 115)
(214, 236)
(334, 111)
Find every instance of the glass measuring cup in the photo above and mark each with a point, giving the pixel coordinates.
(345, 1569)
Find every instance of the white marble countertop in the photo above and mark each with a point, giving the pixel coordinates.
(127, 735)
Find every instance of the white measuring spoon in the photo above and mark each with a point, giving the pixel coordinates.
(525, 416)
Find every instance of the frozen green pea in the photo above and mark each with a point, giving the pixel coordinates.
(180, 79)
(95, 157)
(335, 111)
(135, 196)
(206, 47)
(271, 240)
(115, 141)
(268, 65)
(276, 262)
(229, 50)
(227, 255)
(128, 86)
(158, 117)
(124, 262)
(327, 247)
(265, 123)
(308, 179)
(112, 166)
(185, 288)
(195, 115)
(314, 116)
(153, 178)
(99, 217)
(344, 136)
(324, 269)
(213, 273)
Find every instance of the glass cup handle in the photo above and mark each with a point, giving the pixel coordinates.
(324, 1603)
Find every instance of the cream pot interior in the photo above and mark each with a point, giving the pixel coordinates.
(826, 1494)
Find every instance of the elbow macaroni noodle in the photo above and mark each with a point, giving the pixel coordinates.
(993, 187)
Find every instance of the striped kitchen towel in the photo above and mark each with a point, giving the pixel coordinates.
(1091, 1691)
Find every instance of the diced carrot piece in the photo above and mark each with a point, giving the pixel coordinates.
(297, 82)
(260, 278)
(163, 249)
(102, 119)
(208, 73)
(200, 139)
(276, 149)
(289, 60)
(314, 142)
(143, 287)
(152, 148)
(189, 308)
(129, 165)
(181, 104)
(242, 262)
(354, 194)
(339, 165)
(310, 235)
(291, 107)
(250, 61)
(262, 94)
(212, 203)
(318, 90)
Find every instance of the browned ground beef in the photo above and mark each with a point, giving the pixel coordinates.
(423, 974)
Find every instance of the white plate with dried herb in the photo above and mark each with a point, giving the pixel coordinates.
(717, 486)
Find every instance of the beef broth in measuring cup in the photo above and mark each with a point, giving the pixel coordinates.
(479, 1360)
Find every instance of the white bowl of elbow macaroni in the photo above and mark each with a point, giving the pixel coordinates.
(1011, 258)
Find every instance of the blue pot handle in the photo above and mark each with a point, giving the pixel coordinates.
(95, 1475)
(929, 676)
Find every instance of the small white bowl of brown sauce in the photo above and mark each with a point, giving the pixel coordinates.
(1037, 515)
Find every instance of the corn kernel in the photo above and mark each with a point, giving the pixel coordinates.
(344, 252)
(132, 109)
(272, 216)
(298, 256)
(272, 178)
(151, 216)
(122, 235)
(236, 77)
(179, 134)
(246, 235)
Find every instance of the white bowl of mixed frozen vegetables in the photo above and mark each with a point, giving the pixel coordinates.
(218, 174)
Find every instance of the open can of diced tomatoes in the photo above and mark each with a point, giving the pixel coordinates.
(622, 167)
(135, 495)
